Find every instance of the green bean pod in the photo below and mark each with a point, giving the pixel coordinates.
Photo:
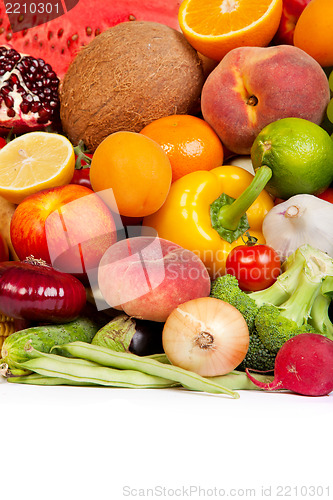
(37, 379)
(235, 380)
(80, 370)
(148, 365)
(238, 380)
(162, 358)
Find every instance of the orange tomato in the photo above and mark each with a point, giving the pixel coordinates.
(314, 31)
(190, 143)
(132, 174)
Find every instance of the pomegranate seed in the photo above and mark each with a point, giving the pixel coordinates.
(25, 62)
(47, 68)
(35, 106)
(44, 115)
(9, 101)
(30, 77)
(25, 107)
(5, 90)
(11, 113)
(14, 79)
(20, 89)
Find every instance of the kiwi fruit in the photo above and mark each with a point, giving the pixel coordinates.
(128, 76)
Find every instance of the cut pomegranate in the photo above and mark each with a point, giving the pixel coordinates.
(28, 92)
(59, 40)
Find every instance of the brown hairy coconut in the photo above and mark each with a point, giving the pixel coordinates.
(128, 76)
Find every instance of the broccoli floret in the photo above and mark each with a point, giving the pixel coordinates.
(286, 283)
(320, 312)
(274, 329)
(258, 357)
(226, 288)
(276, 324)
(298, 302)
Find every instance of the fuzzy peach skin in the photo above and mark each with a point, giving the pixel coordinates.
(254, 86)
(147, 277)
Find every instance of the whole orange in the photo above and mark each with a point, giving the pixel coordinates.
(314, 31)
(131, 173)
(190, 143)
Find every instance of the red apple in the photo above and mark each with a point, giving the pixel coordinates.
(291, 10)
(69, 227)
(4, 253)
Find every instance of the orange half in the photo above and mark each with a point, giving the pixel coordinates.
(214, 27)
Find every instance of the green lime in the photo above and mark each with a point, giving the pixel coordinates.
(330, 81)
(299, 153)
(329, 111)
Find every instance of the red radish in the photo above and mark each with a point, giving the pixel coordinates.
(304, 365)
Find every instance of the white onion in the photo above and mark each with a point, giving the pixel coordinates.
(302, 219)
(207, 336)
(243, 161)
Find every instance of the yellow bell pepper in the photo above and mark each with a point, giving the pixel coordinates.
(185, 217)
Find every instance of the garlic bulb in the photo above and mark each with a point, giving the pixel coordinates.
(302, 219)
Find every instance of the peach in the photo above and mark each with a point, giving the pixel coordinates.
(254, 86)
(148, 277)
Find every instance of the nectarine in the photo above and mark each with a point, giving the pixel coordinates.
(254, 86)
(148, 277)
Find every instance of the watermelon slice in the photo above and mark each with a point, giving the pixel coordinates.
(58, 40)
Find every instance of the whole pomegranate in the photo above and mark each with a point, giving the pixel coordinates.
(28, 93)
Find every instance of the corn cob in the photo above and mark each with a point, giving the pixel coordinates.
(6, 327)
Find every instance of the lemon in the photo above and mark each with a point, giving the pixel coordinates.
(35, 161)
(300, 155)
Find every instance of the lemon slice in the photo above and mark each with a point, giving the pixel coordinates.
(35, 161)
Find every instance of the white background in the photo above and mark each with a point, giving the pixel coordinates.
(99, 443)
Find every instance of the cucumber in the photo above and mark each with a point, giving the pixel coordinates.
(15, 349)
